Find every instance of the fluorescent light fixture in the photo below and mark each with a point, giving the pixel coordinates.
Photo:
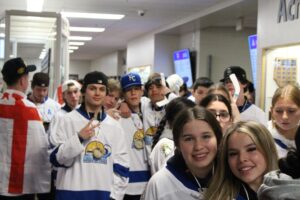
(2, 35)
(92, 15)
(73, 47)
(35, 5)
(71, 51)
(80, 38)
(86, 29)
(76, 43)
(2, 25)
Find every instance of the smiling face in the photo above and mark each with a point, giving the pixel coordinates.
(133, 96)
(198, 145)
(286, 115)
(245, 160)
(94, 95)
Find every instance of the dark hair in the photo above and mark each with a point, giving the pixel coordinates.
(219, 87)
(291, 164)
(172, 109)
(202, 81)
(195, 113)
(216, 97)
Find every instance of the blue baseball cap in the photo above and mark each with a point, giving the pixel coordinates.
(129, 80)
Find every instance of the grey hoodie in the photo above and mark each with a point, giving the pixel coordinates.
(279, 186)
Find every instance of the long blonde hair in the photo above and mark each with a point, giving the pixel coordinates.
(224, 185)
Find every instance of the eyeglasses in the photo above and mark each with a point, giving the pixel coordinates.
(223, 115)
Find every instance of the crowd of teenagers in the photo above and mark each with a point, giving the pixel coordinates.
(122, 139)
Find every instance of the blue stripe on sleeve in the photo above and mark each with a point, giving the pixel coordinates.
(139, 176)
(82, 195)
(53, 159)
(121, 170)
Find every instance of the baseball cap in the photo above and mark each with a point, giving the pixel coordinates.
(40, 79)
(175, 82)
(95, 77)
(15, 68)
(238, 71)
(70, 83)
(129, 80)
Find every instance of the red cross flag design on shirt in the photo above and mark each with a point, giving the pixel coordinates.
(20, 114)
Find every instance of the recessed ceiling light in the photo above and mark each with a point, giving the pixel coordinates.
(80, 38)
(2, 35)
(2, 25)
(73, 47)
(76, 43)
(71, 51)
(86, 29)
(92, 15)
(35, 5)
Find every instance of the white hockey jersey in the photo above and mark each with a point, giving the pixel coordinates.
(175, 182)
(252, 112)
(282, 144)
(24, 161)
(139, 173)
(48, 109)
(151, 120)
(93, 169)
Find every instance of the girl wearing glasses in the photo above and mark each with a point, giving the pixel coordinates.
(220, 107)
(196, 134)
(285, 113)
(246, 154)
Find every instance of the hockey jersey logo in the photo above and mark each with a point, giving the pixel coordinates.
(138, 139)
(96, 152)
(149, 135)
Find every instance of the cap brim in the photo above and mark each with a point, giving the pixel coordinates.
(30, 68)
(131, 85)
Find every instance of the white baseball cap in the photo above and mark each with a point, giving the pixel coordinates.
(69, 83)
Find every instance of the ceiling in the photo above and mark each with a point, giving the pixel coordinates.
(160, 15)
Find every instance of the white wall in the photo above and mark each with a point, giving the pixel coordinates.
(227, 47)
(273, 34)
(107, 64)
(165, 45)
(140, 51)
(79, 67)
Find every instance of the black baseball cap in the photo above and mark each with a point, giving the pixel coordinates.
(14, 68)
(238, 71)
(95, 77)
(40, 79)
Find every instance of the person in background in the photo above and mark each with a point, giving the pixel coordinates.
(219, 88)
(90, 154)
(246, 154)
(71, 96)
(139, 172)
(174, 82)
(47, 107)
(284, 183)
(285, 114)
(24, 163)
(184, 91)
(196, 134)
(250, 92)
(248, 111)
(200, 88)
(220, 107)
(114, 93)
(163, 144)
(152, 110)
